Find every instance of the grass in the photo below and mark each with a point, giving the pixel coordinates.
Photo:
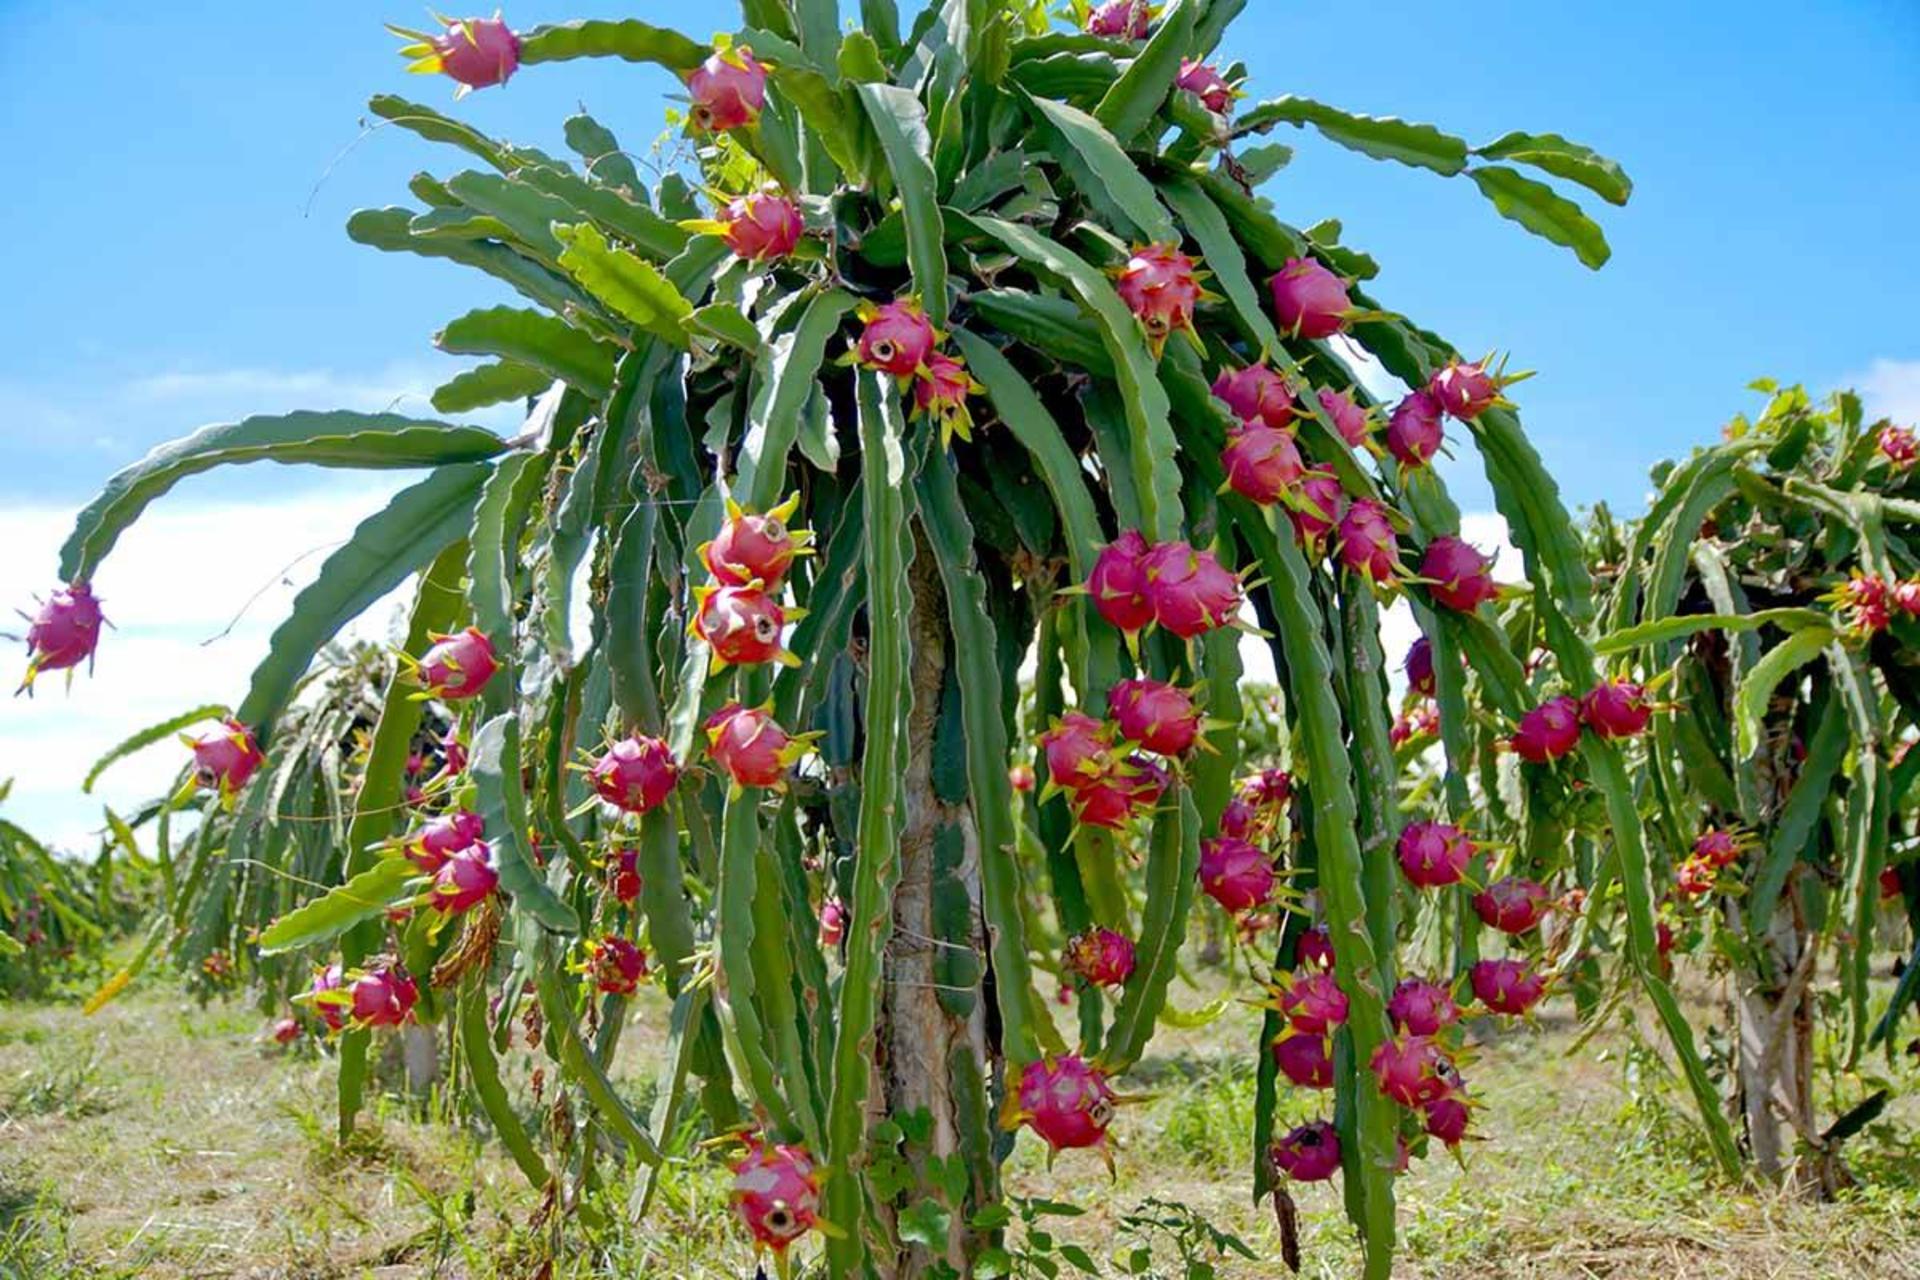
(164, 1140)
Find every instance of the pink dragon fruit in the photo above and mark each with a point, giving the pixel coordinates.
(941, 392)
(1065, 1100)
(458, 666)
(1100, 956)
(1447, 1119)
(897, 338)
(1161, 286)
(1513, 904)
(1419, 667)
(1899, 446)
(1237, 875)
(728, 90)
(476, 53)
(1270, 789)
(1422, 1008)
(383, 996)
(1159, 716)
(464, 880)
(754, 751)
(1419, 720)
(1313, 1002)
(1310, 1153)
(1115, 796)
(1353, 422)
(1262, 464)
(1695, 878)
(635, 774)
(1458, 577)
(1256, 394)
(1205, 82)
(762, 226)
(1118, 583)
(1463, 390)
(1318, 507)
(453, 752)
(742, 625)
(776, 1194)
(1366, 544)
(833, 922)
(1314, 950)
(1549, 731)
(754, 548)
(331, 1002)
(1718, 847)
(224, 758)
(1507, 986)
(1865, 602)
(441, 838)
(64, 632)
(1020, 778)
(618, 967)
(1905, 597)
(1434, 854)
(1304, 1060)
(1075, 749)
(1239, 819)
(1191, 591)
(285, 1031)
(1310, 300)
(1414, 433)
(1125, 19)
(623, 876)
(1412, 1070)
(1616, 709)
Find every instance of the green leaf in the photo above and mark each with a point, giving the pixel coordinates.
(782, 384)
(654, 235)
(489, 384)
(606, 162)
(503, 807)
(1798, 816)
(629, 38)
(1536, 206)
(1173, 860)
(726, 322)
(1102, 172)
(1137, 96)
(901, 123)
(414, 528)
(391, 230)
(1750, 701)
(483, 1076)
(629, 285)
(437, 127)
(1563, 159)
(533, 338)
(1058, 328)
(926, 1224)
(362, 898)
(526, 213)
(493, 559)
(148, 736)
(1649, 633)
(1381, 137)
(378, 441)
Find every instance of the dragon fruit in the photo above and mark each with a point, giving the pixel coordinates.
(1065, 1100)
(1161, 286)
(1314, 950)
(1447, 1119)
(1270, 789)
(1419, 667)
(1304, 1060)
(1422, 1008)
(941, 392)
(1353, 422)
(331, 1003)
(1237, 875)
(1549, 731)
(742, 625)
(618, 967)
(1434, 854)
(1205, 82)
(776, 1194)
(1310, 1153)
(225, 757)
(1616, 709)
(754, 751)
(1318, 506)
(64, 633)
(1118, 582)
(1075, 749)
(1191, 591)
(464, 880)
(1463, 390)
(728, 90)
(1899, 446)
(1020, 778)
(442, 837)
(635, 774)
(453, 752)
(1695, 877)
(1412, 1070)
(1256, 394)
(1865, 602)
(1905, 597)
(762, 226)
(897, 338)
(1262, 464)
(1414, 433)
(623, 876)
(1313, 1002)
(1718, 847)
(1157, 715)
(1100, 956)
(458, 666)
(476, 53)
(1506, 986)
(1365, 541)
(1458, 577)
(1310, 301)
(383, 996)
(833, 922)
(1126, 19)
(1239, 819)
(285, 1031)
(754, 548)
(1118, 793)
(1513, 904)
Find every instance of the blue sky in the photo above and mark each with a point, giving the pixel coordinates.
(181, 174)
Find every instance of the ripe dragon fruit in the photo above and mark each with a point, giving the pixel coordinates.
(833, 922)
(1239, 819)
(897, 339)
(1314, 950)
(1270, 789)
(728, 90)
(285, 1031)
(1422, 1008)
(1075, 749)
(1161, 286)
(1434, 854)
(1458, 577)
(1718, 847)
(1256, 394)
(1414, 433)
(1100, 956)
(1695, 877)
(1191, 591)
(464, 880)
(1304, 1060)
(1313, 1002)
(1262, 464)
(1318, 507)
(635, 774)
(1353, 422)
(1065, 1100)
(1412, 1070)
(1464, 390)
(1899, 446)
(1513, 904)
(1310, 1153)
(1237, 875)
(1548, 732)
(1506, 986)
(441, 838)
(1126, 19)
(1365, 541)
(1419, 667)
(225, 757)
(762, 226)
(776, 1194)
(1310, 301)
(383, 996)
(1616, 709)
(1118, 582)
(476, 53)
(1447, 1119)
(752, 749)
(941, 392)
(618, 967)
(64, 633)
(1020, 778)
(623, 876)
(1157, 715)
(754, 548)
(1109, 800)
(331, 1004)
(458, 666)
(1905, 597)
(453, 752)
(741, 625)
(1205, 82)
(1864, 601)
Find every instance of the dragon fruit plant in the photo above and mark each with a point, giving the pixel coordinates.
(1765, 601)
(961, 307)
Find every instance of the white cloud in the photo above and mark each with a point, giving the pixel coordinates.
(1890, 389)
